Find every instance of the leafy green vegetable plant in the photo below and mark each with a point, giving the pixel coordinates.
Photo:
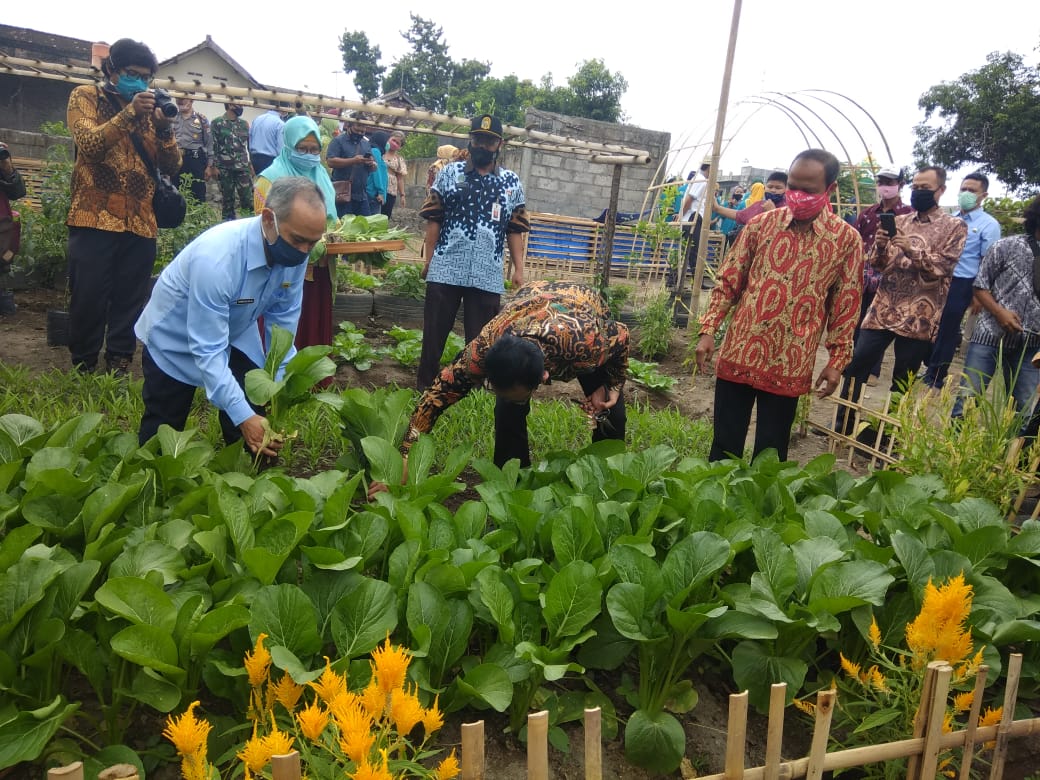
(350, 346)
(655, 327)
(647, 375)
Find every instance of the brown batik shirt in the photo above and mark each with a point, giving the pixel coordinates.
(914, 284)
(112, 187)
(571, 324)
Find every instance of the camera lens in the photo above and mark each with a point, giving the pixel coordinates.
(4, 154)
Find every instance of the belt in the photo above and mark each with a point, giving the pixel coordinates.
(196, 153)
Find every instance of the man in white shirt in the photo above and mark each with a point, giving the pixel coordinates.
(691, 212)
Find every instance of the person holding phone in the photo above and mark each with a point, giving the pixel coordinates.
(890, 181)
(916, 266)
(350, 158)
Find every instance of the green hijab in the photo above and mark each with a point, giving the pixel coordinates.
(296, 129)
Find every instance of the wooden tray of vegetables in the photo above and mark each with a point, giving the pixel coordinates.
(361, 247)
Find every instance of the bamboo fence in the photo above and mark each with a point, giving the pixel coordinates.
(924, 750)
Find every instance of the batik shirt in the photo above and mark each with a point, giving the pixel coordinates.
(867, 224)
(475, 212)
(571, 323)
(784, 287)
(230, 143)
(914, 284)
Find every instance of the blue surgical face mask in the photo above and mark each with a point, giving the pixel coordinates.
(305, 161)
(282, 252)
(129, 86)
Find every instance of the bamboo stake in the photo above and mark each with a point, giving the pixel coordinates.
(609, 226)
(1014, 674)
(973, 722)
(286, 767)
(538, 745)
(593, 744)
(73, 771)
(736, 735)
(821, 734)
(775, 730)
(119, 772)
(473, 751)
(936, 711)
(913, 766)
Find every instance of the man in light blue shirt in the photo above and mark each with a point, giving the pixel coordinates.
(200, 326)
(983, 232)
(266, 137)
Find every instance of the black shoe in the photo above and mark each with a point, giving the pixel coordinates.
(118, 366)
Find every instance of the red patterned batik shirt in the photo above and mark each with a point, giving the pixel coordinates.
(784, 287)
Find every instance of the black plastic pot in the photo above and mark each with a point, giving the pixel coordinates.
(57, 328)
(397, 308)
(355, 307)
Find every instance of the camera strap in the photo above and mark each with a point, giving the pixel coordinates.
(135, 139)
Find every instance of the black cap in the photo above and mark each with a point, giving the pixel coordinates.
(485, 123)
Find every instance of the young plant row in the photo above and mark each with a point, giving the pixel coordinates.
(143, 573)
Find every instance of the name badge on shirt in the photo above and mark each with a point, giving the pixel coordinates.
(496, 212)
(244, 301)
(286, 285)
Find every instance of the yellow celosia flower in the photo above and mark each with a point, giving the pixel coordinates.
(405, 711)
(355, 727)
(991, 717)
(189, 737)
(962, 701)
(312, 721)
(938, 631)
(805, 706)
(258, 662)
(330, 685)
(874, 634)
(278, 742)
(851, 668)
(877, 680)
(187, 733)
(969, 668)
(286, 692)
(432, 718)
(947, 724)
(390, 666)
(448, 768)
(343, 706)
(368, 772)
(374, 700)
(254, 754)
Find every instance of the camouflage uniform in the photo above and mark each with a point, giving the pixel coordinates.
(231, 156)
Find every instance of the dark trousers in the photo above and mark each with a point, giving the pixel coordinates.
(733, 404)
(949, 336)
(235, 183)
(168, 400)
(193, 163)
(511, 439)
(362, 208)
(260, 161)
(388, 205)
(109, 275)
(910, 354)
(441, 307)
(868, 298)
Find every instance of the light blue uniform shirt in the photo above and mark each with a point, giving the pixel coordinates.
(983, 232)
(267, 134)
(208, 300)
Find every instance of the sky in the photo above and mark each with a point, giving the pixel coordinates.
(881, 55)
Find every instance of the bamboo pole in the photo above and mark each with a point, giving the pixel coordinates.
(609, 226)
(73, 771)
(473, 751)
(821, 734)
(1014, 674)
(973, 722)
(913, 766)
(286, 767)
(593, 744)
(716, 153)
(736, 735)
(538, 745)
(936, 710)
(119, 772)
(775, 730)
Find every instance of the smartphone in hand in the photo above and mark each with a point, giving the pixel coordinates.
(888, 222)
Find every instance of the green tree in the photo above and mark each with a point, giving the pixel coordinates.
(425, 73)
(362, 59)
(597, 92)
(988, 118)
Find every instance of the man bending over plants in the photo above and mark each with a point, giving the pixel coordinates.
(550, 330)
(200, 326)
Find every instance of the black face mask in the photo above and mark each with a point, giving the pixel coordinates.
(922, 200)
(776, 197)
(237, 110)
(482, 158)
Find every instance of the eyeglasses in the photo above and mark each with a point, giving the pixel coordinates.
(135, 74)
(309, 149)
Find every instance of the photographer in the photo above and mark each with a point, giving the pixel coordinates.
(12, 187)
(112, 227)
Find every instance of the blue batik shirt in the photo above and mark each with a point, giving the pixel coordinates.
(478, 211)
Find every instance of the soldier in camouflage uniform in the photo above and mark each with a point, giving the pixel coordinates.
(231, 155)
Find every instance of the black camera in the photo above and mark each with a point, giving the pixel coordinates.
(4, 154)
(165, 103)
